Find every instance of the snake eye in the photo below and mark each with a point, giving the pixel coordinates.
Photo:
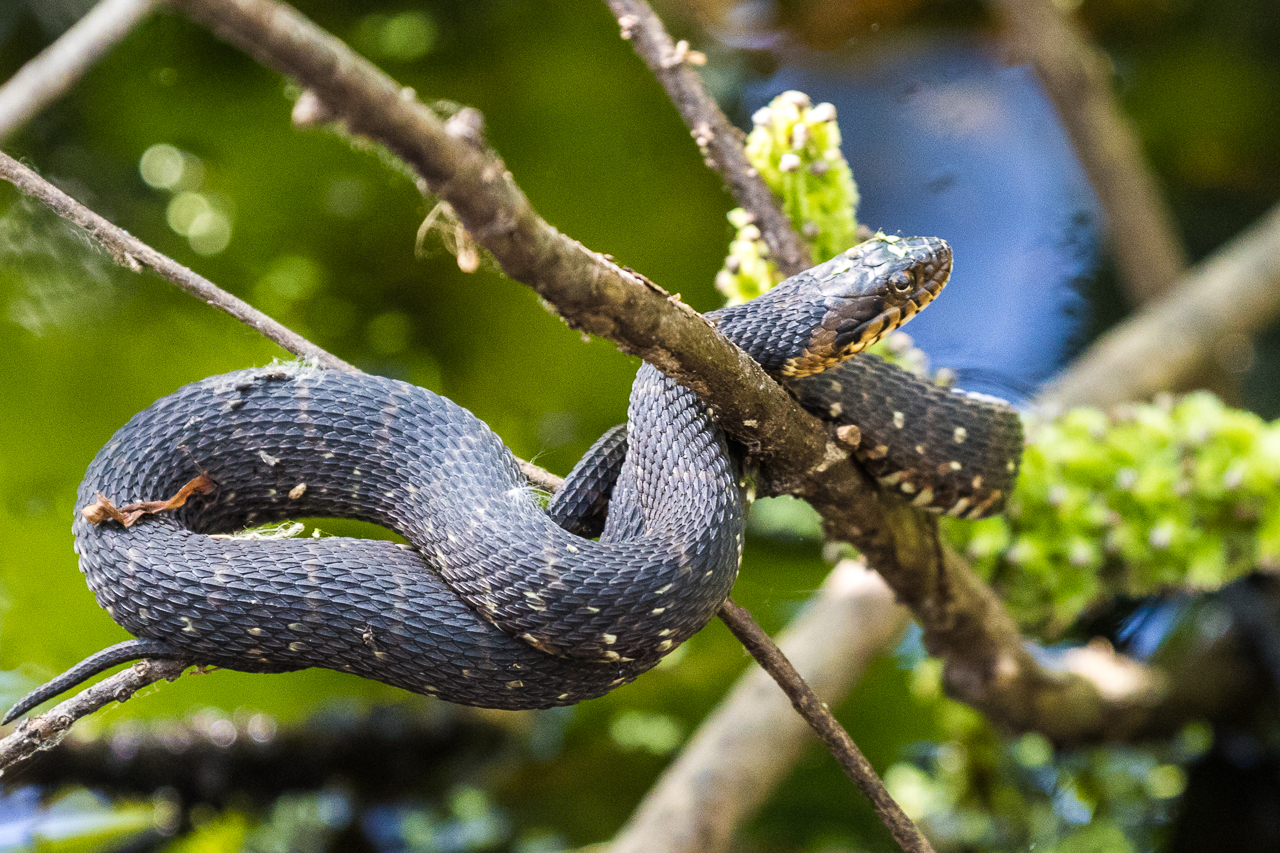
(902, 283)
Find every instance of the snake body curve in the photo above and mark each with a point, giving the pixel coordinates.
(497, 602)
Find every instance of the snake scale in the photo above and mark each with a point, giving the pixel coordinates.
(499, 601)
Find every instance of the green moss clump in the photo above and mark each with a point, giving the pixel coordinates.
(795, 146)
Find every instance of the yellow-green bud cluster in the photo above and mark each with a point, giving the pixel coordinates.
(1172, 494)
(795, 146)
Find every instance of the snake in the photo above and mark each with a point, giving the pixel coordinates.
(497, 597)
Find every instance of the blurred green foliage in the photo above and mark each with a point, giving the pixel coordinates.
(1173, 495)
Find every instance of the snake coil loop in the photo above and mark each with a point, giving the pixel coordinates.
(499, 602)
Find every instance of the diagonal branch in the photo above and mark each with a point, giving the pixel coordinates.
(749, 744)
(718, 139)
(133, 254)
(1220, 303)
(51, 75)
(819, 717)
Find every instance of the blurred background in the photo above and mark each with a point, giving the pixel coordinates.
(187, 144)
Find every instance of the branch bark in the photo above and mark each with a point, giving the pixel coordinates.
(51, 75)
(720, 142)
(823, 722)
(134, 255)
(745, 748)
(45, 731)
(1077, 77)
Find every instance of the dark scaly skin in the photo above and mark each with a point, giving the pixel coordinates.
(942, 450)
(497, 603)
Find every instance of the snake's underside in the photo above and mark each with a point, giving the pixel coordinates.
(498, 601)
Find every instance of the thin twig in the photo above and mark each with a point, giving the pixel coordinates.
(43, 732)
(1213, 311)
(720, 142)
(1077, 77)
(822, 721)
(747, 746)
(133, 254)
(56, 69)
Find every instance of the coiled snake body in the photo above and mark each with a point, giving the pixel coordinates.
(498, 602)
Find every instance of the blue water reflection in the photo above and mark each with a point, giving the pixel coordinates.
(945, 140)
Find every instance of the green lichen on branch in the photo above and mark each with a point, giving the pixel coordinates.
(1175, 494)
(795, 146)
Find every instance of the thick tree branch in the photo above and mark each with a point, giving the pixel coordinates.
(719, 140)
(51, 75)
(1215, 309)
(1078, 79)
(590, 292)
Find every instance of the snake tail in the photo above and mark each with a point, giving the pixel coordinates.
(126, 652)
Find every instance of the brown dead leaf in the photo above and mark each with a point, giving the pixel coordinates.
(104, 510)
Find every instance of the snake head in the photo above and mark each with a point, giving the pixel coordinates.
(866, 292)
(827, 313)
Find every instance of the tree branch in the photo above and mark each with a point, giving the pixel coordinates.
(820, 719)
(1215, 308)
(36, 734)
(133, 254)
(720, 142)
(1077, 76)
(50, 75)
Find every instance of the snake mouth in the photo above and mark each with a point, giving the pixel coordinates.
(871, 290)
